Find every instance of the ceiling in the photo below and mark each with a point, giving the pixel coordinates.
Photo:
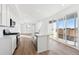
(35, 12)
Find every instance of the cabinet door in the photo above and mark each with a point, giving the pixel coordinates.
(13, 43)
(0, 14)
(5, 46)
(4, 13)
(42, 43)
(8, 15)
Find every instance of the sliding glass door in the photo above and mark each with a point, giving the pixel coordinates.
(71, 31)
(60, 29)
(66, 30)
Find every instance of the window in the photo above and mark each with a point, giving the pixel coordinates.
(60, 28)
(71, 31)
(66, 29)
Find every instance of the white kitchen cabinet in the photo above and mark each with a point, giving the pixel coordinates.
(8, 15)
(0, 14)
(4, 14)
(42, 42)
(13, 37)
(5, 46)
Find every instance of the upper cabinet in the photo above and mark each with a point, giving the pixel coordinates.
(0, 14)
(6, 12)
(4, 15)
(7, 15)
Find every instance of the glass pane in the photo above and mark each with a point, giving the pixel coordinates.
(71, 30)
(60, 29)
(70, 23)
(60, 24)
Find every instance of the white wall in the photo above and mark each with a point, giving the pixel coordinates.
(27, 28)
(38, 26)
(42, 26)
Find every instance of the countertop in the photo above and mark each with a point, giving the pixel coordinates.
(42, 34)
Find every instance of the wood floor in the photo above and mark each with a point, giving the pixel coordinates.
(57, 48)
(26, 47)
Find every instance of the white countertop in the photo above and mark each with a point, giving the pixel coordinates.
(6, 36)
(42, 34)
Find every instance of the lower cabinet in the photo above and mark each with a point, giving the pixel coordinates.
(13, 43)
(42, 43)
(7, 45)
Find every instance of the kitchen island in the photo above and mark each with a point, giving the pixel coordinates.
(42, 42)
